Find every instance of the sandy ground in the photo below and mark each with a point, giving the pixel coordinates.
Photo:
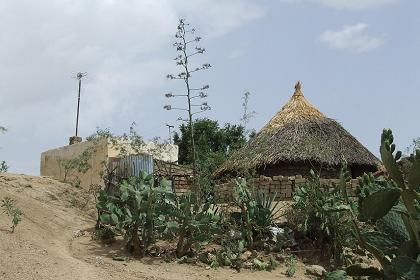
(43, 245)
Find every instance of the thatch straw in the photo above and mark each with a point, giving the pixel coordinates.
(300, 133)
(297, 109)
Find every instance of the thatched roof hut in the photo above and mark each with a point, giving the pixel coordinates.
(299, 138)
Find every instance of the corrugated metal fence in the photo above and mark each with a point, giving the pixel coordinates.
(131, 165)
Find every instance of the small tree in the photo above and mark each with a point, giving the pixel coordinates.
(10, 209)
(209, 138)
(3, 166)
(80, 164)
(183, 44)
(415, 145)
(213, 146)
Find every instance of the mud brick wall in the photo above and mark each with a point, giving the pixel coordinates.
(182, 184)
(282, 186)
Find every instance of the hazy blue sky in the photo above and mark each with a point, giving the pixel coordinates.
(358, 60)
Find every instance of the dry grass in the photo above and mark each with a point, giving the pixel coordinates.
(300, 133)
(298, 109)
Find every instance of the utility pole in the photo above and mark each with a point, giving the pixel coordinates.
(170, 132)
(79, 77)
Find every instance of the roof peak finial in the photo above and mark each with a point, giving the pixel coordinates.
(298, 89)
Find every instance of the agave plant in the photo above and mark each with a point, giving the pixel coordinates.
(258, 211)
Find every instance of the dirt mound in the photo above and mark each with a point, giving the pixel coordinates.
(53, 241)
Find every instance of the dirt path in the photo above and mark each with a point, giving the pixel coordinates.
(44, 247)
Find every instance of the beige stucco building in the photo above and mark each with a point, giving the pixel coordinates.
(54, 162)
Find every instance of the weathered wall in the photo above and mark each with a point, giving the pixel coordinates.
(166, 152)
(281, 185)
(52, 162)
(182, 184)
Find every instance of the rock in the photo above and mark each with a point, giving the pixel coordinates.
(315, 270)
(99, 261)
(78, 233)
(245, 256)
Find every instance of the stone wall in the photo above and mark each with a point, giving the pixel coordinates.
(281, 185)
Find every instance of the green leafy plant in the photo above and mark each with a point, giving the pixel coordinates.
(11, 210)
(336, 275)
(192, 224)
(258, 212)
(214, 144)
(230, 254)
(133, 210)
(291, 265)
(3, 167)
(318, 211)
(267, 265)
(80, 164)
(397, 195)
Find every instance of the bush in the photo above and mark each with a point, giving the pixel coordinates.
(134, 209)
(258, 212)
(10, 209)
(317, 212)
(192, 224)
(3, 167)
(143, 212)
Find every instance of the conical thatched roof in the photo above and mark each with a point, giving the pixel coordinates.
(300, 133)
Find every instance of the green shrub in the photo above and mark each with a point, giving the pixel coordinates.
(143, 212)
(80, 164)
(291, 265)
(230, 254)
(258, 212)
(10, 209)
(192, 224)
(3, 167)
(317, 212)
(134, 209)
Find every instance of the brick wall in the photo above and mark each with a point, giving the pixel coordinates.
(182, 184)
(281, 185)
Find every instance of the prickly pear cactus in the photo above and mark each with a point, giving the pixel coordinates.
(393, 206)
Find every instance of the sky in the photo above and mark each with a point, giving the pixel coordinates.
(358, 60)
